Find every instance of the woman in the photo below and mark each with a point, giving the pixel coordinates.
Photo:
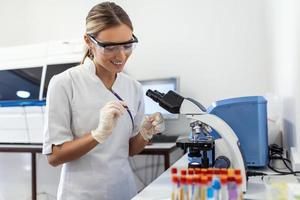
(94, 113)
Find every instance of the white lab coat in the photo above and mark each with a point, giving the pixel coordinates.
(73, 102)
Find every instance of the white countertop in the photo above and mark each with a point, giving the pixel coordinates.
(35, 146)
(161, 188)
(166, 145)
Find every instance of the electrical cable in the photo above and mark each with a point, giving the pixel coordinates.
(275, 153)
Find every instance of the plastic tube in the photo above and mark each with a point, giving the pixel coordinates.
(175, 181)
(224, 190)
(183, 172)
(216, 185)
(173, 170)
(183, 188)
(237, 172)
(239, 182)
(190, 171)
(224, 171)
(197, 171)
(232, 188)
(204, 181)
(197, 192)
(190, 189)
(210, 193)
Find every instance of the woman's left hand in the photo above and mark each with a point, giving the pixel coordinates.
(152, 125)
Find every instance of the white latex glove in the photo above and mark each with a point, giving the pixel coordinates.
(109, 115)
(152, 125)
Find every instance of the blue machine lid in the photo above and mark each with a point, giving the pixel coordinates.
(18, 103)
(238, 100)
(247, 117)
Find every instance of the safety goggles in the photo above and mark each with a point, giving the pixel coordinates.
(111, 48)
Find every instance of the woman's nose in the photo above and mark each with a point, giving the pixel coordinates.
(121, 53)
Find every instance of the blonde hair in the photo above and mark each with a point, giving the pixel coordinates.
(103, 16)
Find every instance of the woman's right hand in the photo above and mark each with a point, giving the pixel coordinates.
(109, 115)
(72, 150)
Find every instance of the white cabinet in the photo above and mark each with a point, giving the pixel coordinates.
(35, 123)
(22, 124)
(13, 127)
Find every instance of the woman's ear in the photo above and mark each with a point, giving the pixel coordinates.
(87, 41)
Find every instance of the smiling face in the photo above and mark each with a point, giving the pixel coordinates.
(114, 61)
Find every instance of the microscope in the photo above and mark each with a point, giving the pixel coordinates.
(203, 150)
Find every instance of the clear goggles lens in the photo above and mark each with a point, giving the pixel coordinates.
(113, 49)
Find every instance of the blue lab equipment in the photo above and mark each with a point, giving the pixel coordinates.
(247, 116)
(22, 103)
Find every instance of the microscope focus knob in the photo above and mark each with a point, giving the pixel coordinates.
(222, 162)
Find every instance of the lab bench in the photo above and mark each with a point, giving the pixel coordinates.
(161, 188)
(24, 148)
(164, 149)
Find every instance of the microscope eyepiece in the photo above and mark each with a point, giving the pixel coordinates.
(171, 101)
(155, 95)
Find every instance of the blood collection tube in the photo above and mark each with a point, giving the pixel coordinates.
(217, 171)
(230, 172)
(239, 181)
(209, 179)
(196, 184)
(173, 170)
(210, 171)
(224, 190)
(190, 171)
(232, 188)
(183, 188)
(204, 181)
(175, 183)
(216, 185)
(237, 172)
(189, 181)
(197, 171)
(204, 171)
(210, 194)
(223, 171)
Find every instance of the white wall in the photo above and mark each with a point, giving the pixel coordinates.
(284, 32)
(218, 48)
(34, 21)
